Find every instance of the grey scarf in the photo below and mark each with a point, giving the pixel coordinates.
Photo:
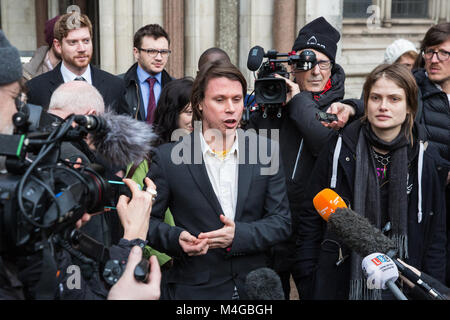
(367, 200)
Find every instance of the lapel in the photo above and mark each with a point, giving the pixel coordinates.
(56, 79)
(245, 174)
(198, 171)
(98, 80)
(141, 101)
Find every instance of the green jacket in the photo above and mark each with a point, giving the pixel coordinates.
(138, 176)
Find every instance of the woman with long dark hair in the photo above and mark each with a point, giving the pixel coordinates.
(385, 170)
(173, 111)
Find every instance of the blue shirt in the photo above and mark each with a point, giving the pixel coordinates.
(145, 89)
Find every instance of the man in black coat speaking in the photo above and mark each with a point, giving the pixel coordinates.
(229, 206)
(73, 39)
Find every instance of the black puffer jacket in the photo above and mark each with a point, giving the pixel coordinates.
(434, 113)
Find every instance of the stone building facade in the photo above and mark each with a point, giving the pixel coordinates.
(367, 28)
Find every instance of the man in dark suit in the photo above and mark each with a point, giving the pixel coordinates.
(146, 78)
(73, 38)
(229, 204)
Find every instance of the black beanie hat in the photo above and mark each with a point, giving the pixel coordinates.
(10, 64)
(318, 35)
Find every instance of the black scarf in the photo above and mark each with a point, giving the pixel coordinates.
(367, 199)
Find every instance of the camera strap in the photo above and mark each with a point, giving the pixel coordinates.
(45, 289)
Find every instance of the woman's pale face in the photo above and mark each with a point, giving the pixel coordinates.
(386, 108)
(185, 119)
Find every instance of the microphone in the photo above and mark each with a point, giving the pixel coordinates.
(360, 235)
(326, 202)
(255, 58)
(264, 284)
(381, 273)
(119, 138)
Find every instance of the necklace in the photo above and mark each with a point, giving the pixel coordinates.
(383, 160)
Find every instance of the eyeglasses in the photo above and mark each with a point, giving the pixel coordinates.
(154, 52)
(442, 55)
(323, 65)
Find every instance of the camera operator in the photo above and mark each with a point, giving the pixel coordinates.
(321, 88)
(10, 90)
(21, 277)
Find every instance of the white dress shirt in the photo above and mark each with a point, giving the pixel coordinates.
(69, 76)
(223, 174)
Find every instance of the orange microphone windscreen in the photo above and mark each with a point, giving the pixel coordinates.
(326, 202)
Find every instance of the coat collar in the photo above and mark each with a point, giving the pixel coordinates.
(197, 168)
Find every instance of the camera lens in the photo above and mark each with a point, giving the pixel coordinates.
(270, 91)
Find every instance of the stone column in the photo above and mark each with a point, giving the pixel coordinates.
(174, 26)
(255, 21)
(107, 35)
(199, 26)
(387, 21)
(41, 11)
(82, 5)
(444, 12)
(332, 11)
(53, 8)
(301, 15)
(19, 23)
(227, 28)
(148, 12)
(123, 35)
(284, 25)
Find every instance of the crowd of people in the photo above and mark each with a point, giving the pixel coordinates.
(215, 199)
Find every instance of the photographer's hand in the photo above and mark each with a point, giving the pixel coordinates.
(134, 214)
(343, 112)
(293, 88)
(127, 288)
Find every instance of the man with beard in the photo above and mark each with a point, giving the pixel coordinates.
(433, 79)
(73, 38)
(321, 88)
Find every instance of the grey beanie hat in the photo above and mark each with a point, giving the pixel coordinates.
(10, 64)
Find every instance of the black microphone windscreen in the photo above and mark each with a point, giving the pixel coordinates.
(358, 233)
(124, 140)
(255, 58)
(264, 284)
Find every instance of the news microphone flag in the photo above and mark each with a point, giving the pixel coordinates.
(326, 202)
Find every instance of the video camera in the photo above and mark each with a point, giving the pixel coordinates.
(42, 195)
(270, 92)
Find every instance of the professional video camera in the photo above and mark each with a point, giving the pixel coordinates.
(270, 92)
(42, 195)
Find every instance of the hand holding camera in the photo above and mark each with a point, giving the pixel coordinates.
(128, 288)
